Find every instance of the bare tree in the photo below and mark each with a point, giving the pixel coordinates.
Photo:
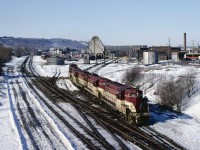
(190, 80)
(20, 50)
(171, 93)
(5, 55)
(180, 94)
(133, 75)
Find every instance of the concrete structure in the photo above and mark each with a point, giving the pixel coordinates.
(95, 46)
(95, 49)
(175, 56)
(150, 58)
(164, 52)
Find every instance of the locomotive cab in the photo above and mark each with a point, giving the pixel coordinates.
(137, 106)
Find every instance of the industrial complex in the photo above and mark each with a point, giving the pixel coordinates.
(141, 53)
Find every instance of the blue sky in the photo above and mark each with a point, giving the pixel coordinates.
(116, 22)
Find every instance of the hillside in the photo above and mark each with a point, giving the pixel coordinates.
(40, 43)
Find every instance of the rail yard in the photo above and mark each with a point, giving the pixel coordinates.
(45, 116)
(99, 75)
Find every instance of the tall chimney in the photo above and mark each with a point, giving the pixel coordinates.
(184, 41)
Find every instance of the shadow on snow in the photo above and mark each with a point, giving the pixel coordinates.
(160, 114)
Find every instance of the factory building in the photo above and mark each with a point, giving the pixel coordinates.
(166, 52)
(130, 51)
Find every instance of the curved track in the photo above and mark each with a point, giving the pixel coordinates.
(132, 134)
(91, 141)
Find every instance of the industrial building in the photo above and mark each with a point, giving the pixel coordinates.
(130, 51)
(148, 55)
(166, 52)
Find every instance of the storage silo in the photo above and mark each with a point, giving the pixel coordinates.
(175, 56)
(150, 58)
(86, 58)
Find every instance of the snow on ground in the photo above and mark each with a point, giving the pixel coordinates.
(51, 128)
(66, 84)
(182, 128)
(114, 72)
(72, 140)
(9, 136)
(45, 70)
(49, 70)
(12, 135)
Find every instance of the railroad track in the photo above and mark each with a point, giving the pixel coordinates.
(150, 137)
(156, 135)
(33, 123)
(158, 140)
(25, 123)
(133, 134)
(94, 133)
(98, 66)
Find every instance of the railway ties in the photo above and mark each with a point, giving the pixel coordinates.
(22, 115)
(135, 135)
(156, 135)
(25, 123)
(35, 122)
(140, 138)
(129, 132)
(92, 134)
(96, 132)
(122, 145)
(39, 125)
(97, 67)
(28, 119)
(81, 136)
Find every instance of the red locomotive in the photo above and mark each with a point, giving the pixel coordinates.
(126, 99)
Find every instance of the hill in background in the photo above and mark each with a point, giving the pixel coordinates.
(41, 43)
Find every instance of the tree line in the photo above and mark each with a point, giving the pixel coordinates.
(5, 56)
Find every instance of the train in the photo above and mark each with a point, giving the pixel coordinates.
(125, 99)
(192, 56)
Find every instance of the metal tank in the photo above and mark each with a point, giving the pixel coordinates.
(150, 58)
